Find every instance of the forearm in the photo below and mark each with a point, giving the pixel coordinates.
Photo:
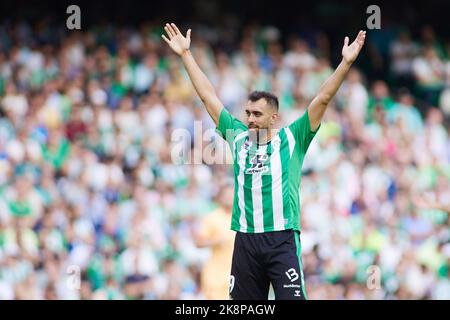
(202, 85)
(326, 92)
(329, 88)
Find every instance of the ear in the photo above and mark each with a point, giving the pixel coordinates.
(274, 117)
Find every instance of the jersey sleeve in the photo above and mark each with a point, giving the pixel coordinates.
(301, 130)
(229, 126)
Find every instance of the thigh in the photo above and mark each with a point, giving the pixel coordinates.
(248, 280)
(285, 269)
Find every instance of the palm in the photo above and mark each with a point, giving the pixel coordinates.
(177, 42)
(350, 52)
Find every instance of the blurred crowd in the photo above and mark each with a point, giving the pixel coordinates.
(93, 205)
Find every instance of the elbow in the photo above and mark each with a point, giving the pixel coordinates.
(207, 95)
(325, 98)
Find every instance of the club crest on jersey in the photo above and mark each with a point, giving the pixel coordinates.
(258, 164)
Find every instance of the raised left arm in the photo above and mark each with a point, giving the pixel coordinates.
(327, 91)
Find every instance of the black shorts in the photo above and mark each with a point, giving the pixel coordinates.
(263, 258)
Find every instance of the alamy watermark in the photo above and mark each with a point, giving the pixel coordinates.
(74, 20)
(207, 147)
(73, 281)
(374, 20)
(374, 279)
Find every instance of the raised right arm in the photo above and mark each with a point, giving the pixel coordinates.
(205, 90)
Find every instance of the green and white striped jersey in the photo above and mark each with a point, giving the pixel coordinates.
(267, 176)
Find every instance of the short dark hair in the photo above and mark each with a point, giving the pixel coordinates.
(270, 98)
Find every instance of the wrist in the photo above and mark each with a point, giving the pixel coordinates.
(346, 63)
(185, 52)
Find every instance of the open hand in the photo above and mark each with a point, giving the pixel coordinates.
(350, 52)
(177, 42)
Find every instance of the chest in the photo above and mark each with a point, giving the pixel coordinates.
(253, 158)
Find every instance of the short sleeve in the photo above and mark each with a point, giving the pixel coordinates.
(301, 130)
(229, 126)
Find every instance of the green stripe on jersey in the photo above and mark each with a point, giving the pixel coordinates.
(239, 222)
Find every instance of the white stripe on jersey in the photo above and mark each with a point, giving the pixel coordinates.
(240, 136)
(258, 215)
(237, 138)
(277, 190)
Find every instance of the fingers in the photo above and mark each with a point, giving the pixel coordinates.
(346, 41)
(175, 28)
(188, 34)
(361, 36)
(165, 39)
(170, 32)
